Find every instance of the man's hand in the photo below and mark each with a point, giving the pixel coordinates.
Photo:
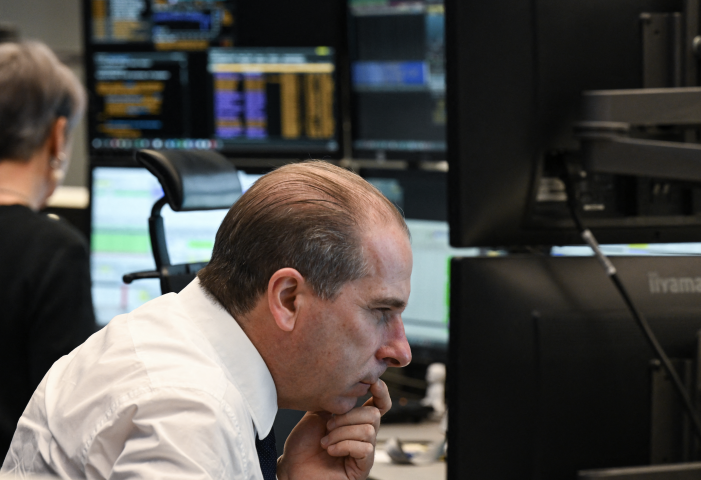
(335, 447)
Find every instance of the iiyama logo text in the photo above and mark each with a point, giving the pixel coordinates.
(673, 284)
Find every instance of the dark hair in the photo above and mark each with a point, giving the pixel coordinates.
(308, 216)
(35, 89)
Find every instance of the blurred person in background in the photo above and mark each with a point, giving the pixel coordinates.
(45, 300)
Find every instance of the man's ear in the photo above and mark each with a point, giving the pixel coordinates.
(284, 289)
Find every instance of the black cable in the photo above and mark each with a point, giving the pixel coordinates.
(589, 238)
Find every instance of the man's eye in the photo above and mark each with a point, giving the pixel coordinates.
(383, 313)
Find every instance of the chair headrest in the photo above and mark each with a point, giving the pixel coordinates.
(193, 180)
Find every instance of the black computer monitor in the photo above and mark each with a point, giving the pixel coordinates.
(548, 372)
(515, 76)
(397, 79)
(171, 75)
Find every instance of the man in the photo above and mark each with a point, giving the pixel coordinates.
(314, 266)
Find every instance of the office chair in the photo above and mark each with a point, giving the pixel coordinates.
(191, 180)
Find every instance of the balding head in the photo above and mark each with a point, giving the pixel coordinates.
(308, 216)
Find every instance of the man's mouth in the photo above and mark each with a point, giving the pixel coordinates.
(360, 389)
(369, 381)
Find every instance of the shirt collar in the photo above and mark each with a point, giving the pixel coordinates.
(246, 367)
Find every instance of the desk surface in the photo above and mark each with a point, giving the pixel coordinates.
(426, 432)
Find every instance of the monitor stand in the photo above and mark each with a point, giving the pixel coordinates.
(671, 437)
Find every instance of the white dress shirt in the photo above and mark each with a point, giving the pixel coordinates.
(174, 389)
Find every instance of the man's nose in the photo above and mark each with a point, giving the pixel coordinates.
(395, 351)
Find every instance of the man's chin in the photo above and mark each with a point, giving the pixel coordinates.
(347, 401)
(342, 405)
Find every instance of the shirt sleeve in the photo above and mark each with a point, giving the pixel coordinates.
(173, 433)
(63, 316)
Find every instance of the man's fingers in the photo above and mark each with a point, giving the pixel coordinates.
(367, 415)
(380, 397)
(352, 448)
(364, 433)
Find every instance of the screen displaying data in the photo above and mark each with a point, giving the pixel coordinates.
(171, 74)
(121, 205)
(274, 98)
(165, 24)
(140, 95)
(167, 74)
(265, 101)
(397, 51)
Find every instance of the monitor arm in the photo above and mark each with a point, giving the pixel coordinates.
(610, 118)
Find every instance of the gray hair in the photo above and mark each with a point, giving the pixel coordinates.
(35, 90)
(308, 216)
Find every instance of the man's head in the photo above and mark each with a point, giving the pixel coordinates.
(308, 216)
(315, 264)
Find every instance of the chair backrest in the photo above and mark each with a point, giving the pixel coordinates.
(193, 179)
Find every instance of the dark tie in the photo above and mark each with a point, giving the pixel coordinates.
(267, 455)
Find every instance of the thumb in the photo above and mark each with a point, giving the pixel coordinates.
(308, 432)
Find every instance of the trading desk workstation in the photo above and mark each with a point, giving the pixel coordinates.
(564, 124)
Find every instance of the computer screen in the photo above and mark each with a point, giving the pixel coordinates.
(256, 101)
(122, 198)
(163, 24)
(398, 79)
(141, 100)
(274, 99)
(167, 75)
